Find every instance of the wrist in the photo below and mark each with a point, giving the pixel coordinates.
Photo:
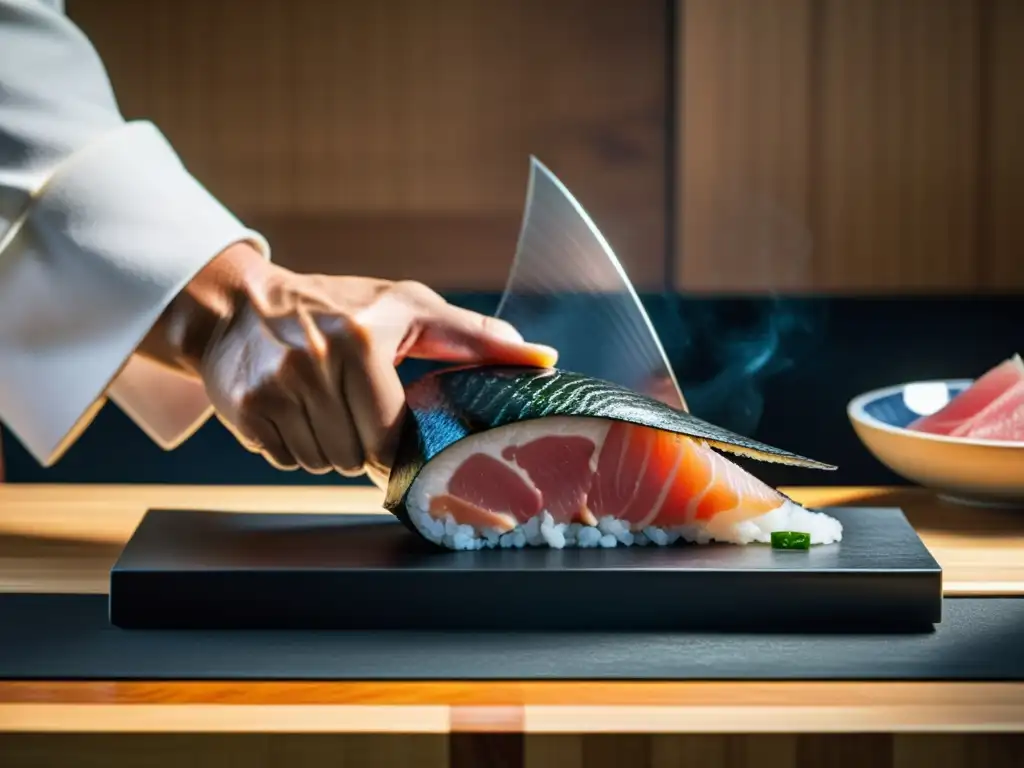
(204, 307)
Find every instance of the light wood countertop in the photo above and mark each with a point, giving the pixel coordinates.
(65, 538)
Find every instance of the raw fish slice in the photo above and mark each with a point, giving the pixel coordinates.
(478, 517)
(637, 470)
(487, 471)
(562, 482)
(615, 479)
(973, 400)
(681, 484)
(498, 457)
(504, 494)
(1003, 419)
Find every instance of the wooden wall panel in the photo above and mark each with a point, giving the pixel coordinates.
(743, 162)
(1003, 143)
(898, 145)
(869, 750)
(393, 138)
(853, 146)
(209, 750)
(992, 750)
(885, 132)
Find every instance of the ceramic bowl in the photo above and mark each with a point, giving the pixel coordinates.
(977, 472)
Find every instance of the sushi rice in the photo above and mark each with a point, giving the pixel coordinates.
(541, 530)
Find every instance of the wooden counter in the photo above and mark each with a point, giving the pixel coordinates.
(65, 538)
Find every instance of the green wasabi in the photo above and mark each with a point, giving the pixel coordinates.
(791, 540)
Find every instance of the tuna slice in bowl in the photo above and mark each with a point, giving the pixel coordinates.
(964, 469)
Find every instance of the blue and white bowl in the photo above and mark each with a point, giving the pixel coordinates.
(964, 470)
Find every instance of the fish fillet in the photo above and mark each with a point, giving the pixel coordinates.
(583, 481)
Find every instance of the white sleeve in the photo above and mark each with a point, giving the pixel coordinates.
(100, 227)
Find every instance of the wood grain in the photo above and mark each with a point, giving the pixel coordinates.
(898, 145)
(158, 750)
(64, 538)
(547, 708)
(1002, 208)
(850, 146)
(744, 145)
(393, 138)
(957, 751)
(492, 750)
(397, 245)
(776, 751)
(593, 751)
(943, 698)
(854, 146)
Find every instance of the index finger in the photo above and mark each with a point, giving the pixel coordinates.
(426, 327)
(449, 333)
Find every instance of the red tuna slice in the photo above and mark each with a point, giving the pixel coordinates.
(1002, 420)
(972, 401)
(509, 475)
(559, 467)
(484, 492)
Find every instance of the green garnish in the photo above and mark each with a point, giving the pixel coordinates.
(791, 540)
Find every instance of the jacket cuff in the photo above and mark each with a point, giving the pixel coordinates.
(106, 244)
(167, 405)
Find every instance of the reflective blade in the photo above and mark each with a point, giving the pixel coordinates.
(567, 289)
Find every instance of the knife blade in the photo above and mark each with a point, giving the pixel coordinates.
(566, 288)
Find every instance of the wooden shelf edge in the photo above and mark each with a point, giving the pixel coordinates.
(535, 720)
(223, 718)
(780, 719)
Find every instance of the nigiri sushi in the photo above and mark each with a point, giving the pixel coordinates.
(498, 457)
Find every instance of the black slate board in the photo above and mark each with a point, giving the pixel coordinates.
(210, 570)
(68, 637)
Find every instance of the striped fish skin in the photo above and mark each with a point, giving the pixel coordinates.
(448, 406)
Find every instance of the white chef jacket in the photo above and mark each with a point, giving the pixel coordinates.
(101, 225)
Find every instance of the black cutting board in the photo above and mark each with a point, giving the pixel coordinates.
(225, 570)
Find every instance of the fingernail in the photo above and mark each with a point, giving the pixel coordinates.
(550, 354)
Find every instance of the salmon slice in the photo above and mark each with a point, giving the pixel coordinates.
(621, 468)
(672, 480)
(730, 495)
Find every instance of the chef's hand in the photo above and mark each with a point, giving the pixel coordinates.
(301, 368)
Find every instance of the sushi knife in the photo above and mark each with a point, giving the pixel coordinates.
(566, 288)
